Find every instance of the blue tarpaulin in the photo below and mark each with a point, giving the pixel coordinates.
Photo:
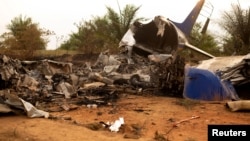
(205, 85)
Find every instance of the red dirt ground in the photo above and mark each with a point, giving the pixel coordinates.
(144, 116)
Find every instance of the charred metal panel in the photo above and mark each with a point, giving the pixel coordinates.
(159, 36)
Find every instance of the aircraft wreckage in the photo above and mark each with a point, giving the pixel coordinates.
(148, 63)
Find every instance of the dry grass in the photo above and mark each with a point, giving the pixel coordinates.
(187, 103)
(24, 54)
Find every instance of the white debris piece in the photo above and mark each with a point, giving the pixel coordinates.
(116, 125)
(33, 111)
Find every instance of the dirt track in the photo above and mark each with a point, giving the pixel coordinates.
(143, 116)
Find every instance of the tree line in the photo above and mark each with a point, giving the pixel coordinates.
(105, 32)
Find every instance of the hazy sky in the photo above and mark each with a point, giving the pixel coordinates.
(60, 15)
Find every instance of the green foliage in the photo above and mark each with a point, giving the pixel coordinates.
(237, 24)
(204, 41)
(234, 46)
(120, 22)
(102, 33)
(24, 35)
(87, 39)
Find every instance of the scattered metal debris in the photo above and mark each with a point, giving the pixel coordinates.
(149, 62)
(56, 86)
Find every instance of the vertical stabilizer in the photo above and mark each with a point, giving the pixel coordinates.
(187, 25)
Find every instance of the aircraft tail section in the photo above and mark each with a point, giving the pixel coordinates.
(187, 25)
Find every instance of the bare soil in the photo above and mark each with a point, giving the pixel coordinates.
(146, 118)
